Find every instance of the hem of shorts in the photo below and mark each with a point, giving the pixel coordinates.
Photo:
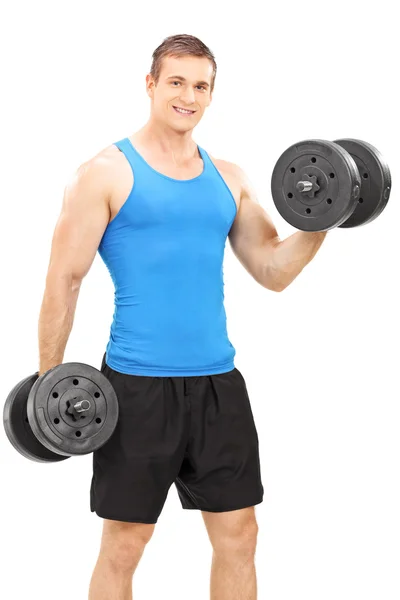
(130, 520)
(229, 509)
(155, 372)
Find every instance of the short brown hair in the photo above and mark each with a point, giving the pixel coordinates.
(181, 45)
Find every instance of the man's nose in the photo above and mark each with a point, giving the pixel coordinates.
(187, 96)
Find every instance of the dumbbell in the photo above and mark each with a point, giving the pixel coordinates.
(70, 410)
(317, 185)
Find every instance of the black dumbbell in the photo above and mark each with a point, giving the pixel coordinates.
(317, 185)
(70, 410)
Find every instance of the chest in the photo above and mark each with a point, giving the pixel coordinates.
(166, 199)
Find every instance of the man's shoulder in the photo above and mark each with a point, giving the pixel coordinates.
(107, 157)
(228, 168)
(103, 165)
(224, 165)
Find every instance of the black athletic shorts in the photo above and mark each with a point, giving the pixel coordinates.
(197, 432)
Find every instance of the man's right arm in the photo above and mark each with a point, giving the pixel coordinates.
(84, 217)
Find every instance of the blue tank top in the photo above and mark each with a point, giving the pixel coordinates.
(164, 251)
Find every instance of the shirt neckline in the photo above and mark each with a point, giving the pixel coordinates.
(166, 176)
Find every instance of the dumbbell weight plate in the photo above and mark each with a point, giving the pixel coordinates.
(17, 427)
(49, 405)
(335, 196)
(375, 181)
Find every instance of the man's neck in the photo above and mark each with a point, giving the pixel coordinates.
(165, 141)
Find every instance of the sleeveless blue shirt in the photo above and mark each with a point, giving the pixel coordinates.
(164, 251)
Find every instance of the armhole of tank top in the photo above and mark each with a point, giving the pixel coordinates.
(226, 186)
(130, 193)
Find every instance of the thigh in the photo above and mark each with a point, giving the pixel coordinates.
(221, 468)
(133, 471)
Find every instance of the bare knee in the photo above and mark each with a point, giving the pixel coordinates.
(236, 542)
(123, 544)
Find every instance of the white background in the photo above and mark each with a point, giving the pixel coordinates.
(320, 359)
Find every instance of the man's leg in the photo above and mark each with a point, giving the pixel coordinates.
(132, 473)
(122, 546)
(233, 536)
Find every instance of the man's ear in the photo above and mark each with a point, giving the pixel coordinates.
(150, 85)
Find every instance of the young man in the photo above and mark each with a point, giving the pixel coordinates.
(159, 209)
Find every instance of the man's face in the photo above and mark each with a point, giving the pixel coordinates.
(184, 83)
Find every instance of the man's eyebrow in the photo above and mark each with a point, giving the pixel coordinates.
(183, 79)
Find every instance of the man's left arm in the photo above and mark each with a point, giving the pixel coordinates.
(272, 262)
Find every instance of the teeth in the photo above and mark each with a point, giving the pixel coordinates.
(182, 110)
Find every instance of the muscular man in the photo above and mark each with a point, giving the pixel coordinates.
(159, 209)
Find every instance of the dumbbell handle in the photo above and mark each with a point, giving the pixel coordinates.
(82, 406)
(304, 186)
(79, 407)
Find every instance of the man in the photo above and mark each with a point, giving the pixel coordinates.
(159, 209)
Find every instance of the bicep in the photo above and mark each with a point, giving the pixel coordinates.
(83, 219)
(252, 233)
(252, 227)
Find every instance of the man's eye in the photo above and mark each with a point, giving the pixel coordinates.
(201, 86)
(176, 82)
